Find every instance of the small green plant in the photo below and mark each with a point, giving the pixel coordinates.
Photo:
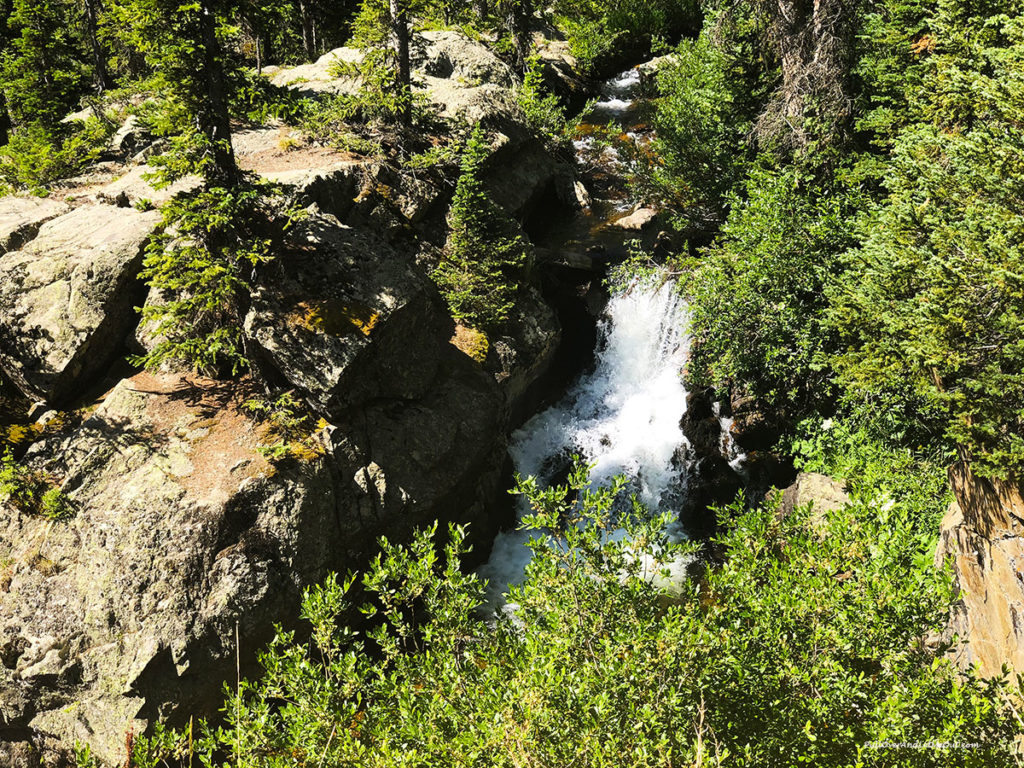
(36, 155)
(481, 268)
(542, 109)
(30, 491)
(290, 428)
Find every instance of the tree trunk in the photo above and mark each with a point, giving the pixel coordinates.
(92, 13)
(308, 39)
(400, 44)
(214, 118)
(5, 120)
(517, 20)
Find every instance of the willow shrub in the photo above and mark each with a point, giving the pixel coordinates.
(803, 647)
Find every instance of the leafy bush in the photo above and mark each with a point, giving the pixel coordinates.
(599, 29)
(804, 647)
(757, 294)
(698, 149)
(481, 267)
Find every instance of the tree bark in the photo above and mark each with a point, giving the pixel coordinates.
(214, 118)
(92, 13)
(400, 45)
(5, 120)
(308, 39)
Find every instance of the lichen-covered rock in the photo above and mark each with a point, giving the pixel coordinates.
(982, 535)
(181, 529)
(21, 218)
(67, 298)
(451, 55)
(821, 491)
(347, 319)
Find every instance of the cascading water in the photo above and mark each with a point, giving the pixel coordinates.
(623, 418)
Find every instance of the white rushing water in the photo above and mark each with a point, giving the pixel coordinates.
(623, 417)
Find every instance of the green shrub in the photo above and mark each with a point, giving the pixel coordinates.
(757, 295)
(36, 156)
(202, 264)
(804, 647)
(542, 109)
(30, 491)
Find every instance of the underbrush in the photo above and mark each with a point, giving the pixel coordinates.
(811, 643)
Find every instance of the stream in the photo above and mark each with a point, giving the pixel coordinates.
(622, 416)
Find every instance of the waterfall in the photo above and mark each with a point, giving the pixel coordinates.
(623, 417)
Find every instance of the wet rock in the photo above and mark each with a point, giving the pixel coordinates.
(765, 470)
(710, 481)
(982, 535)
(524, 357)
(700, 425)
(67, 298)
(21, 218)
(752, 429)
(347, 319)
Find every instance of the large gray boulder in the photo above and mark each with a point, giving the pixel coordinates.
(347, 319)
(182, 532)
(21, 218)
(67, 298)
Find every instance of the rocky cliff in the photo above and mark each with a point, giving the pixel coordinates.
(983, 537)
(189, 539)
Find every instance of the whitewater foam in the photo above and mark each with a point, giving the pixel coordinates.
(623, 417)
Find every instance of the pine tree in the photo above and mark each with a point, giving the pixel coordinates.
(41, 72)
(186, 45)
(481, 269)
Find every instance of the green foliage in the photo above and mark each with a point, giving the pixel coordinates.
(597, 30)
(36, 156)
(480, 271)
(802, 648)
(542, 109)
(933, 295)
(201, 267)
(41, 74)
(30, 491)
(757, 299)
(186, 47)
(698, 150)
(290, 427)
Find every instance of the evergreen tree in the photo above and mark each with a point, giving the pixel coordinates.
(187, 47)
(41, 72)
(480, 272)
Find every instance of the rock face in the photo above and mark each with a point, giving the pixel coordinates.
(347, 320)
(21, 218)
(185, 536)
(67, 298)
(181, 530)
(983, 535)
(825, 493)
